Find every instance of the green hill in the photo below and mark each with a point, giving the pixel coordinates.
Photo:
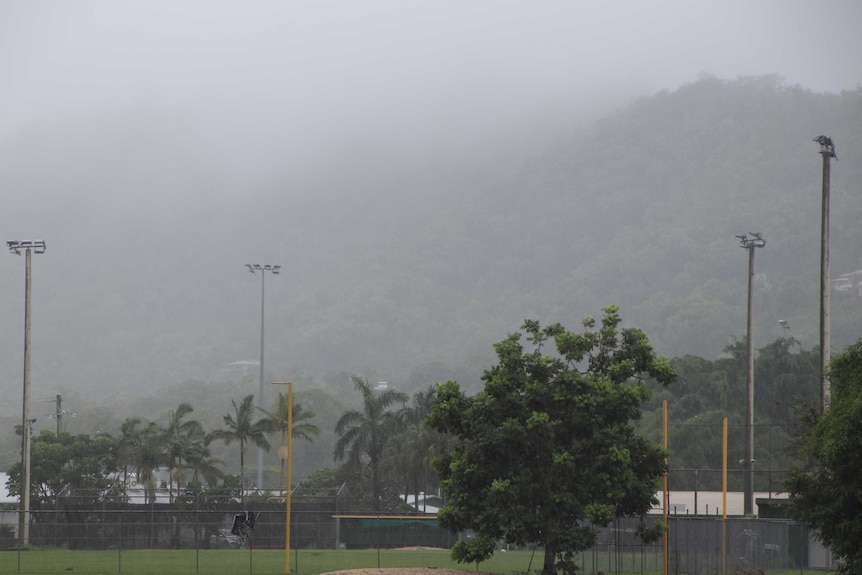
(405, 261)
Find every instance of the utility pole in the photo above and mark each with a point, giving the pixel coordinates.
(28, 247)
(827, 150)
(756, 241)
(59, 414)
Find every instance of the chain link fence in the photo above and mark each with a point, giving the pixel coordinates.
(696, 544)
(76, 523)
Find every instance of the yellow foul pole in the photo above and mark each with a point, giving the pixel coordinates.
(724, 497)
(289, 461)
(664, 488)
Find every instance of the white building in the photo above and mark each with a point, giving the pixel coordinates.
(709, 502)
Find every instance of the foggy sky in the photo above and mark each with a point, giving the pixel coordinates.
(150, 95)
(142, 116)
(272, 80)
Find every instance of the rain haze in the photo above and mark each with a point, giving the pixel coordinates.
(268, 83)
(159, 146)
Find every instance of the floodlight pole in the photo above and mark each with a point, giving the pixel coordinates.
(274, 270)
(746, 243)
(24, 506)
(827, 150)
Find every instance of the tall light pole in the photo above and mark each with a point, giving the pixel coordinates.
(28, 247)
(827, 150)
(274, 270)
(755, 241)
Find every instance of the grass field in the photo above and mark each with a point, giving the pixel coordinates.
(242, 561)
(303, 562)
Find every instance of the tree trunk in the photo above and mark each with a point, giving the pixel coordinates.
(242, 473)
(550, 565)
(375, 490)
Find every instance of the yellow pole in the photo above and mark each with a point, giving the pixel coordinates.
(289, 461)
(724, 497)
(664, 489)
(724, 468)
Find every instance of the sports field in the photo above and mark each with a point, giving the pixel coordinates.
(308, 562)
(244, 561)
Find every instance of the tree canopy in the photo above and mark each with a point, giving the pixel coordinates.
(826, 495)
(77, 465)
(548, 450)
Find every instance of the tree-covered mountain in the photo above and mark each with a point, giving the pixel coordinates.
(404, 260)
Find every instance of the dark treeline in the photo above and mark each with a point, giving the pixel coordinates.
(786, 375)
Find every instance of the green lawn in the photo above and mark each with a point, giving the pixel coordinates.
(242, 561)
(303, 562)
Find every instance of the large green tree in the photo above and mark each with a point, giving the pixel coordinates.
(363, 434)
(548, 450)
(75, 466)
(826, 495)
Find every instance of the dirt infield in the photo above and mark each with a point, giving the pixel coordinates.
(406, 571)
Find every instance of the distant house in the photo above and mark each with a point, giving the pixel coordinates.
(8, 506)
(4, 493)
(424, 503)
(710, 502)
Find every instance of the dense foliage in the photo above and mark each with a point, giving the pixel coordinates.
(709, 390)
(826, 495)
(547, 451)
(70, 465)
(705, 392)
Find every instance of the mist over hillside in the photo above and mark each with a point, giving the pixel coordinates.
(427, 175)
(404, 257)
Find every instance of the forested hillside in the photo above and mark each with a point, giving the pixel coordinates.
(405, 261)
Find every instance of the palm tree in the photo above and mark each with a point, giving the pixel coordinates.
(302, 428)
(150, 455)
(184, 438)
(410, 456)
(128, 446)
(199, 459)
(365, 433)
(240, 427)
